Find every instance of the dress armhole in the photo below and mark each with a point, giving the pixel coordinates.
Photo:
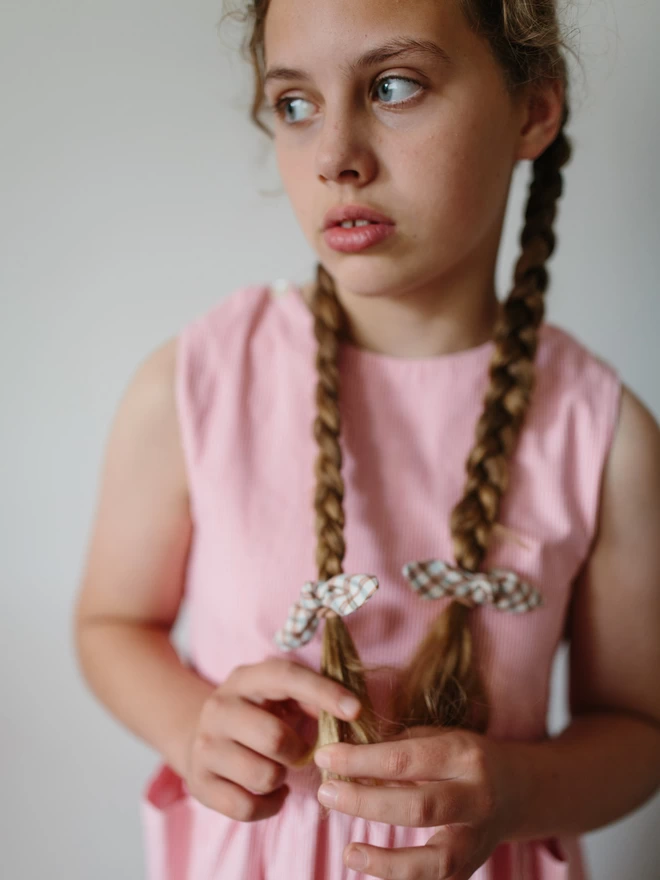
(608, 419)
(611, 411)
(192, 385)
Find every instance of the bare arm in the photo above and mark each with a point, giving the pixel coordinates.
(133, 580)
(607, 762)
(223, 740)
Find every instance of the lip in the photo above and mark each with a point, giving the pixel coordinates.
(352, 241)
(337, 215)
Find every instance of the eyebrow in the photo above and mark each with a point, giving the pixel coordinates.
(392, 49)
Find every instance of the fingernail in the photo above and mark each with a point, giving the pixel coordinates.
(356, 859)
(349, 705)
(328, 794)
(322, 758)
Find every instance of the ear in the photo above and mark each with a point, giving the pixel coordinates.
(542, 106)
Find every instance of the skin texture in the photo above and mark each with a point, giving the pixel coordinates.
(441, 169)
(439, 164)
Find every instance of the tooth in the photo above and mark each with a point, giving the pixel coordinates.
(349, 224)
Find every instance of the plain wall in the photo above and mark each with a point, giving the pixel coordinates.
(133, 194)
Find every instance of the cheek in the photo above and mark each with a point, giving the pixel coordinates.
(295, 181)
(454, 182)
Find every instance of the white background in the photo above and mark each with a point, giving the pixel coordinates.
(133, 193)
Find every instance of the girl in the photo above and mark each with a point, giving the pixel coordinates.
(397, 127)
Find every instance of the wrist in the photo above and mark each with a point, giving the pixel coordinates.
(178, 743)
(517, 781)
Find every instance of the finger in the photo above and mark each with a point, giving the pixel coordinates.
(422, 862)
(420, 732)
(437, 756)
(277, 679)
(310, 710)
(415, 806)
(239, 720)
(246, 768)
(235, 802)
(292, 713)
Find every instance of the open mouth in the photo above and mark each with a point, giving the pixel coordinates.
(349, 224)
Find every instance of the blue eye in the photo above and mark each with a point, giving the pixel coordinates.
(392, 91)
(391, 87)
(285, 104)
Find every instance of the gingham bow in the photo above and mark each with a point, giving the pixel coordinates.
(434, 579)
(342, 594)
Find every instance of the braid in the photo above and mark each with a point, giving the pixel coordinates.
(442, 682)
(339, 658)
(441, 685)
(329, 322)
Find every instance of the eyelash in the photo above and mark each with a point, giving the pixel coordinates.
(279, 106)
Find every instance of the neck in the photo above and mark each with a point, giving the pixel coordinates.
(429, 320)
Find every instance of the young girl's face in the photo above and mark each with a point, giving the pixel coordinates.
(427, 137)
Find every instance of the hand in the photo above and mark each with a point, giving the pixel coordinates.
(242, 743)
(452, 778)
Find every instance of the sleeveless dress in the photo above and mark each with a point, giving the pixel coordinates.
(245, 383)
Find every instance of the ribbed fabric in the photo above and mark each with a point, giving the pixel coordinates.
(245, 385)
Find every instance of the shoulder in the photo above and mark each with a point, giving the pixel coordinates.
(232, 317)
(164, 402)
(220, 354)
(241, 333)
(143, 446)
(631, 488)
(149, 396)
(215, 340)
(563, 352)
(579, 391)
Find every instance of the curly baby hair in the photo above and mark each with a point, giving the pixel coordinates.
(441, 685)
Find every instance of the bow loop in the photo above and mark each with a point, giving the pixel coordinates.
(339, 595)
(434, 579)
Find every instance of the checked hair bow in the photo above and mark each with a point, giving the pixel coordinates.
(340, 595)
(434, 579)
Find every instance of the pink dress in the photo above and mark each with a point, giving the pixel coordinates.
(245, 393)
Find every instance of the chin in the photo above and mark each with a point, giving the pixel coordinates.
(366, 276)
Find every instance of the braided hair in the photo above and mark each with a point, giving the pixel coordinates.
(441, 684)
(339, 657)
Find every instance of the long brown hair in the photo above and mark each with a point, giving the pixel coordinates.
(441, 684)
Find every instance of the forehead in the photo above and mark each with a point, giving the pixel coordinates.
(315, 32)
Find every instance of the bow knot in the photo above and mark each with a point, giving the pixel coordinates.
(339, 595)
(433, 579)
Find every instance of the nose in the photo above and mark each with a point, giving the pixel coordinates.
(344, 153)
